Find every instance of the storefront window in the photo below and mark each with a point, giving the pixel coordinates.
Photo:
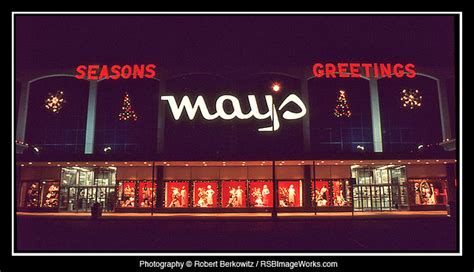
(261, 194)
(146, 194)
(30, 194)
(320, 194)
(234, 194)
(134, 193)
(341, 193)
(205, 194)
(428, 191)
(331, 193)
(126, 194)
(381, 176)
(69, 176)
(398, 175)
(176, 194)
(289, 194)
(105, 178)
(86, 177)
(44, 194)
(50, 194)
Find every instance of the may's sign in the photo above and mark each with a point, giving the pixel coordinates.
(271, 111)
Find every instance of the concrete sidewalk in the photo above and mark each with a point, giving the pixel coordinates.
(283, 215)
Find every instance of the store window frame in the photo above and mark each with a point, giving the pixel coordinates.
(189, 201)
(300, 194)
(42, 185)
(347, 196)
(439, 181)
(137, 194)
(225, 202)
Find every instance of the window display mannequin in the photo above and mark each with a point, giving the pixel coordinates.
(175, 197)
(322, 196)
(184, 195)
(283, 201)
(265, 195)
(417, 194)
(257, 197)
(129, 197)
(232, 198)
(32, 196)
(432, 200)
(52, 197)
(238, 194)
(316, 196)
(340, 200)
(209, 194)
(291, 195)
(202, 197)
(146, 193)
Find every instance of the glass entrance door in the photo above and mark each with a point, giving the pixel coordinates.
(381, 197)
(81, 187)
(380, 188)
(362, 198)
(106, 198)
(372, 197)
(81, 199)
(84, 198)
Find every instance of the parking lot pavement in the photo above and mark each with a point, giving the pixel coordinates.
(261, 234)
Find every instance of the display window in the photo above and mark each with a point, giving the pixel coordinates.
(289, 194)
(146, 194)
(234, 194)
(50, 194)
(321, 193)
(205, 194)
(327, 193)
(176, 194)
(428, 191)
(261, 194)
(126, 194)
(341, 193)
(36, 194)
(30, 194)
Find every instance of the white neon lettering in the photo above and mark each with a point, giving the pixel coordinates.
(191, 110)
(236, 106)
(200, 104)
(288, 115)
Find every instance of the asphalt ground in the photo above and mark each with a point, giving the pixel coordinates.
(235, 234)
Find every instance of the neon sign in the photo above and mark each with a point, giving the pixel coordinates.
(99, 72)
(356, 70)
(254, 112)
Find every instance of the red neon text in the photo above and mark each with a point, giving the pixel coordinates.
(98, 72)
(356, 70)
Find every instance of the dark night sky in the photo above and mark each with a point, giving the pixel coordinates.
(203, 41)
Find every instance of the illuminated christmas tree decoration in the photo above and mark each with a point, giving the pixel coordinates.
(411, 99)
(55, 102)
(127, 112)
(342, 107)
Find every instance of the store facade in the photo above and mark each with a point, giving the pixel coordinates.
(182, 149)
(234, 186)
